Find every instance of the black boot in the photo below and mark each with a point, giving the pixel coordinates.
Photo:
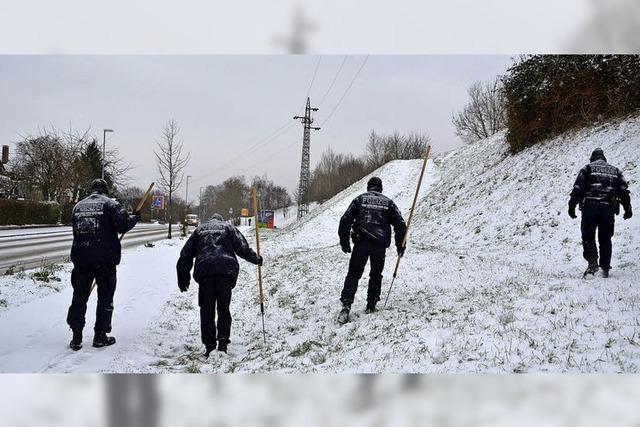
(343, 317)
(209, 349)
(76, 341)
(605, 274)
(591, 270)
(222, 346)
(371, 308)
(102, 340)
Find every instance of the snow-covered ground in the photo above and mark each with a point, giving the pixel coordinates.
(490, 283)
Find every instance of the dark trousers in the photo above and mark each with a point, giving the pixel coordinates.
(363, 251)
(600, 217)
(215, 291)
(81, 281)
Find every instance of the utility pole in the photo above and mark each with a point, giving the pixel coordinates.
(104, 147)
(200, 205)
(305, 172)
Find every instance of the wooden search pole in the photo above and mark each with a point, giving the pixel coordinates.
(413, 208)
(261, 295)
(138, 208)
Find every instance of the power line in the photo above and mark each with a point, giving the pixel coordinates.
(335, 78)
(271, 155)
(265, 141)
(345, 92)
(262, 142)
(313, 79)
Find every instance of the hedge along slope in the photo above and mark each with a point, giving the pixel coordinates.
(547, 95)
(18, 212)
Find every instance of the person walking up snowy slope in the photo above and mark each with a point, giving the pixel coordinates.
(599, 189)
(368, 220)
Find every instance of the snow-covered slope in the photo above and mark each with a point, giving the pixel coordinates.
(488, 201)
(319, 228)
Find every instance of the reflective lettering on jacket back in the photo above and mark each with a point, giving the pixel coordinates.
(212, 235)
(602, 179)
(374, 209)
(87, 216)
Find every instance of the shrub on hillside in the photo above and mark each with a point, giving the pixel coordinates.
(550, 94)
(20, 212)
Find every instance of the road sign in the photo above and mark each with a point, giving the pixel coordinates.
(157, 202)
(266, 219)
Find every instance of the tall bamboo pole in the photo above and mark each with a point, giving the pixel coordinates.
(413, 208)
(261, 295)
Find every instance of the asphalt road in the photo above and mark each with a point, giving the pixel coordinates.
(30, 248)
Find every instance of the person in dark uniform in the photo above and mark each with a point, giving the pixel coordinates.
(214, 245)
(599, 190)
(95, 253)
(368, 220)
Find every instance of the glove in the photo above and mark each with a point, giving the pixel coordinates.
(572, 211)
(401, 250)
(346, 248)
(137, 214)
(628, 213)
(260, 260)
(184, 287)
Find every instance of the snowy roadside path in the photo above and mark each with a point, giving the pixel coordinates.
(35, 335)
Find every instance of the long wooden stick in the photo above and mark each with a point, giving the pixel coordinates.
(261, 295)
(413, 208)
(138, 208)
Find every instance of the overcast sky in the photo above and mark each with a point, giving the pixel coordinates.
(227, 105)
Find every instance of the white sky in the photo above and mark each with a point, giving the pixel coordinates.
(225, 105)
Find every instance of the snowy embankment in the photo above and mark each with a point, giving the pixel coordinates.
(490, 283)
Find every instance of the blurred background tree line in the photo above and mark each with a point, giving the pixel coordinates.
(335, 171)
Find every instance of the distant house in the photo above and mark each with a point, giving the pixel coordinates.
(7, 185)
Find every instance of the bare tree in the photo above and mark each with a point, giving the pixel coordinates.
(484, 115)
(382, 149)
(171, 163)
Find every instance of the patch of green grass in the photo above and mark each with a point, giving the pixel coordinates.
(46, 273)
(285, 300)
(303, 348)
(11, 270)
(192, 368)
(160, 363)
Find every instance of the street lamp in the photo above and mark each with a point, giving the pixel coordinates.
(186, 196)
(104, 145)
